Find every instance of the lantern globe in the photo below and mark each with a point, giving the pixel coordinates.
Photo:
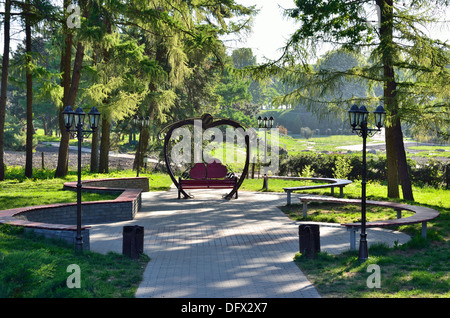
(270, 122)
(353, 116)
(68, 116)
(363, 115)
(380, 116)
(79, 116)
(94, 117)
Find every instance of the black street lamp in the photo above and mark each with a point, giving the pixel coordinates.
(358, 121)
(140, 122)
(266, 123)
(76, 119)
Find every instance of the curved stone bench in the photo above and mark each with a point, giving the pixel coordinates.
(57, 220)
(421, 214)
(340, 183)
(114, 184)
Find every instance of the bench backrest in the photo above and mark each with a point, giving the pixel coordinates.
(216, 170)
(213, 170)
(198, 171)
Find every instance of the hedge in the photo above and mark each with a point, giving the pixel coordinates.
(432, 173)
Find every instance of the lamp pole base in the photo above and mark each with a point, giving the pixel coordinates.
(363, 250)
(79, 245)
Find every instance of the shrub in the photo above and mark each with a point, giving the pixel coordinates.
(342, 167)
(307, 172)
(306, 132)
(434, 173)
(15, 136)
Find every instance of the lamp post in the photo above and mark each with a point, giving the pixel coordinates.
(358, 120)
(265, 123)
(140, 122)
(76, 119)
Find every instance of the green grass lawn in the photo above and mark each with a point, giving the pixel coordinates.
(419, 268)
(296, 145)
(17, 193)
(35, 267)
(430, 151)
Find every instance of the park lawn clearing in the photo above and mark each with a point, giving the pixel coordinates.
(416, 269)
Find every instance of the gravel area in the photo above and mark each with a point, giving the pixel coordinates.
(50, 154)
(116, 161)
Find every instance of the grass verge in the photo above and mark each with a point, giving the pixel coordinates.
(34, 267)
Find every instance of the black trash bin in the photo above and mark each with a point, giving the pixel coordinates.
(133, 241)
(309, 237)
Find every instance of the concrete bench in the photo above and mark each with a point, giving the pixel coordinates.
(332, 183)
(421, 214)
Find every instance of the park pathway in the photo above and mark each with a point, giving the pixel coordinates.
(208, 247)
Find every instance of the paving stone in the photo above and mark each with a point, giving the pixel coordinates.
(208, 247)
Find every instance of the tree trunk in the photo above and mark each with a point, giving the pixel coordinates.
(143, 140)
(106, 120)
(70, 93)
(94, 152)
(29, 94)
(402, 163)
(391, 164)
(63, 157)
(390, 100)
(45, 126)
(4, 83)
(104, 146)
(65, 68)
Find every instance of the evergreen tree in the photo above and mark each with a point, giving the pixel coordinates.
(395, 54)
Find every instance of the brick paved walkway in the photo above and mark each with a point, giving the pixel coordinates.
(208, 247)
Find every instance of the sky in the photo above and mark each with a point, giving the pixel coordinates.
(270, 29)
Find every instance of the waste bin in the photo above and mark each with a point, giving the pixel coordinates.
(309, 239)
(133, 241)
